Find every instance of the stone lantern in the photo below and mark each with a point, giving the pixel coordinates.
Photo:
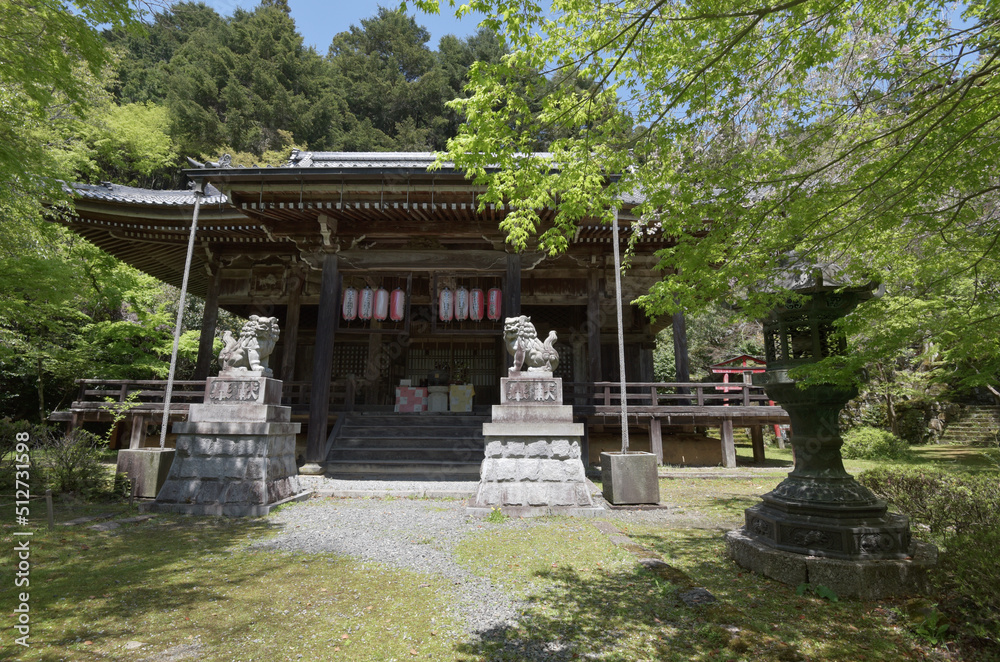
(819, 513)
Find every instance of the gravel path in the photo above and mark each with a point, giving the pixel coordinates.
(414, 534)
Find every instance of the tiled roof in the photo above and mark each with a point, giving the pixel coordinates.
(374, 160)
(129, 194)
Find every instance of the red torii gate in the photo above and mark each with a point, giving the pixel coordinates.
(746, 366)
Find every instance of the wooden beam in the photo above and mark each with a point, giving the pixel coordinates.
(757, 441)
(319, 402)
(656, 439)
(728, 444)
(206, 341)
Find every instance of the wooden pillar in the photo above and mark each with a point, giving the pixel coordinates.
(656, 439)
(757, 441)
(319, 399)
(291, 330)
(511, 299)
(594, 327)
(681, 360)
(206, 342)
(512, 295)
(728, 444)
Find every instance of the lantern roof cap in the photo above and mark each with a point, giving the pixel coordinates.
(809, 277)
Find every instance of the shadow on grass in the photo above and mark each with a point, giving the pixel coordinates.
(638, 614)
(80, 577)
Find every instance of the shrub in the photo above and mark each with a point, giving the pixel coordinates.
(37, 435)
(72, 463)
(873, 444)
(949, 504)
(962, 512)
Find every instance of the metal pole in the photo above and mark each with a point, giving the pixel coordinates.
(621, 332)
(180, 315)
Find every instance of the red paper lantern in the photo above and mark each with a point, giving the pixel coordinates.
(350, 307)
(366, 307)
(494, 303)
(397, 305)
(476, 305)
(381, 304)
(461, 304)
(446, 305)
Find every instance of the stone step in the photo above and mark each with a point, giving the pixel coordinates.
(364, 441)
(404, 470)
(415, 454)
(439, 444)
(406, 420)
(411, 431)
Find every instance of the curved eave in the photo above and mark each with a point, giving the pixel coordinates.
(153, 238)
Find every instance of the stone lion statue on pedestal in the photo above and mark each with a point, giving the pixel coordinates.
(523, 344)
(250, 352)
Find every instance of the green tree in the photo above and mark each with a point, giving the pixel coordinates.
(862, 133)
(391, 79)
(240, 82)
(50, 52)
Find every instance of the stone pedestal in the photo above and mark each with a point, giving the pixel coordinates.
(236, 452)
(867, 579)
(630, 478)
(437, 398)
(147, 469)
(532, 465)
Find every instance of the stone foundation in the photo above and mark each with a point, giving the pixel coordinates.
(235, 455)
(532, 465)
(864, 579)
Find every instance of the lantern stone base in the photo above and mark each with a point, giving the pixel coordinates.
(532, 465)
(848, 578)
(235, 454)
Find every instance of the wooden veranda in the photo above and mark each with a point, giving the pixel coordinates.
(650, 405)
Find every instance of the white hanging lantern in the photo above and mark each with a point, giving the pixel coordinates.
(476, 304)
(494, 303)
(461, 304)
(397, 305)
(446, 305)
(350, 306)
(367, 305)
(381, 304)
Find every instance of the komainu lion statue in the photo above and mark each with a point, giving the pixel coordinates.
(523, 344)
(251, 350)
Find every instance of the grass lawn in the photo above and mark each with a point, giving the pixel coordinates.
(191, 588)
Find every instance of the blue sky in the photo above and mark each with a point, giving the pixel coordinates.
(318, 20)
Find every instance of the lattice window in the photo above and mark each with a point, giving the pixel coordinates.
(349, 360)
(478, 361)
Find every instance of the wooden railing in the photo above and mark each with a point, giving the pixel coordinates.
(147, 394)
(647, 396)
(94, 394)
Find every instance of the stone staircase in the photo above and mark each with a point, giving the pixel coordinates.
(389, 446)
(972, 424)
